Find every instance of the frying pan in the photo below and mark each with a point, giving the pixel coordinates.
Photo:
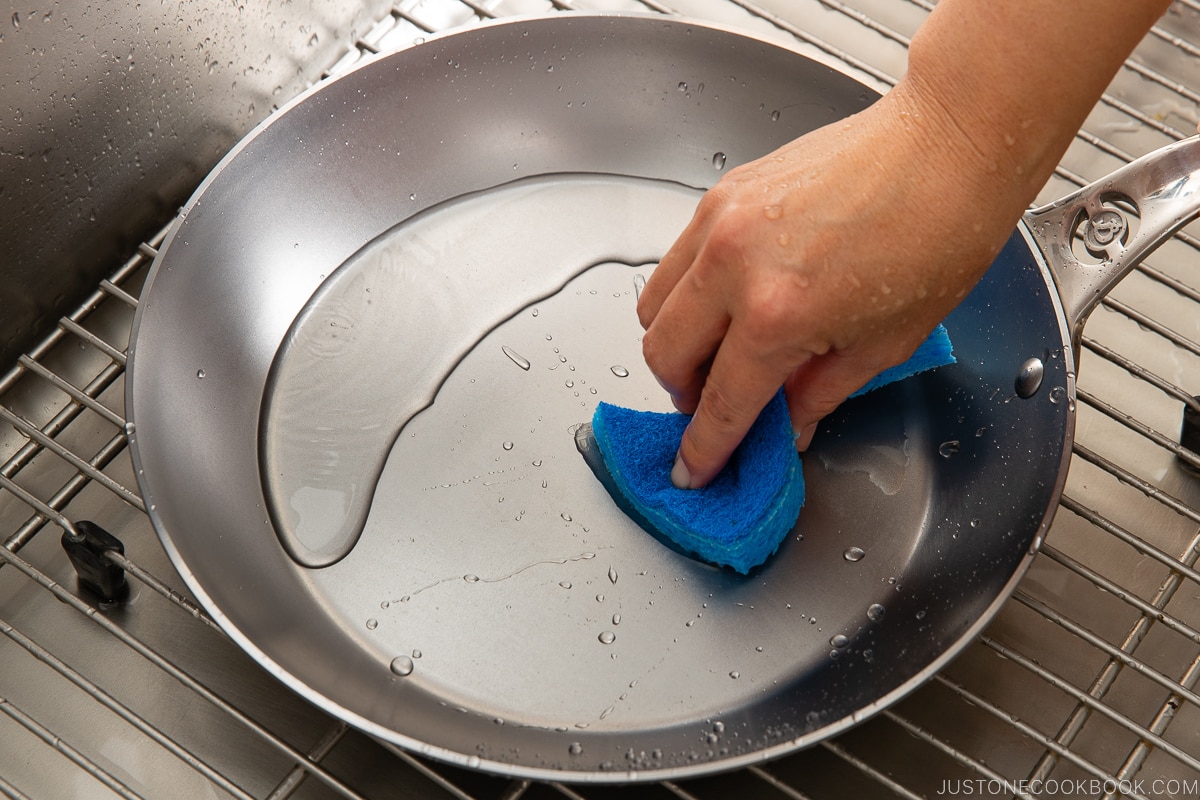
(363, 350)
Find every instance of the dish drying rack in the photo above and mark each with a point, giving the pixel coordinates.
(1084, 684)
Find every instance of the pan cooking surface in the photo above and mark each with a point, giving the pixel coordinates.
(493, 569)
(374, 344)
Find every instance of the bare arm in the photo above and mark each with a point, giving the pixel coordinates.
(829, 260)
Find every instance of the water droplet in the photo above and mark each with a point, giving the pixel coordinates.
(16, 20)
(854, 554)
(735, 674)
(718, 161)
(1057, 394)
(416, 653)
(773, 211)
(616, 619)
(471, 578)
(921, 614)
(875, 612)
(516, 357)
(372, 624)
(619, 371)
(574, 748)
(565, 516)
(565, 584)
(839, 641)
(385, 605)
(402, 666)
(950, 448)
(682, 84)
(775, 116)
(200, 373)
(639, 283)
(612, 574)
(607, 637)
(974, 523)
(570, 384)
(507, 445)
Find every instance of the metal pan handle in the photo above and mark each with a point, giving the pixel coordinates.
(1118, 221)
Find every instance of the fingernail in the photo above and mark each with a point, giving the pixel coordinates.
(805, 437)
(680, 477)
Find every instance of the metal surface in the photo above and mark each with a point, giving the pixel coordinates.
(1088, 675)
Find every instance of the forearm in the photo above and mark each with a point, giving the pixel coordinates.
(1009, 83)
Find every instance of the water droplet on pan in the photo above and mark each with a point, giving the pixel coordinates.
(875, 612)
(402, 666)
(854, 554)
(372, 624)
(839, 641)
(516, 357)
(607, 637)
(950, 448)
(718, 161)
(620, 371)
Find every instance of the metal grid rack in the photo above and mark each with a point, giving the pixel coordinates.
(1084, 684)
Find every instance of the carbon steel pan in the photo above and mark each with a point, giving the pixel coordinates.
(362, 353)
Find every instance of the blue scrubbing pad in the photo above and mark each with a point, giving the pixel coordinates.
(742, 516)
(935, 351)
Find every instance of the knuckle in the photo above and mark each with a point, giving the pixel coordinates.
(653, 351)
(722, 414)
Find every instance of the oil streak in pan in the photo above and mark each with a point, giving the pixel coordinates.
(429, 289)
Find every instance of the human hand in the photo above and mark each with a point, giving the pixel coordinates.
(813, 268)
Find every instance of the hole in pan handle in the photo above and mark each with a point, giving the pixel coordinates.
(1163, 189)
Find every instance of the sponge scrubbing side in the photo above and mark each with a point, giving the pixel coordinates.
(742, 516)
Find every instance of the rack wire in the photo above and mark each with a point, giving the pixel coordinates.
(1085, 683)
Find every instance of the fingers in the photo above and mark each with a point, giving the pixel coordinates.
(683, 253)
(666, 275)
(681, 341)
(739, 385)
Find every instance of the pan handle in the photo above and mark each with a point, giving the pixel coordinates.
(1092, 237)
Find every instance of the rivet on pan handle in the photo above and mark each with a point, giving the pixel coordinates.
(1163, 190)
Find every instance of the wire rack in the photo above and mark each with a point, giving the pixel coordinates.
(1085, 683)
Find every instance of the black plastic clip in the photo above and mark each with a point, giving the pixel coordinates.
(96, 572)
(1189, 434)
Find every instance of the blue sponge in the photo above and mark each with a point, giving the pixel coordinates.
(740, 518)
